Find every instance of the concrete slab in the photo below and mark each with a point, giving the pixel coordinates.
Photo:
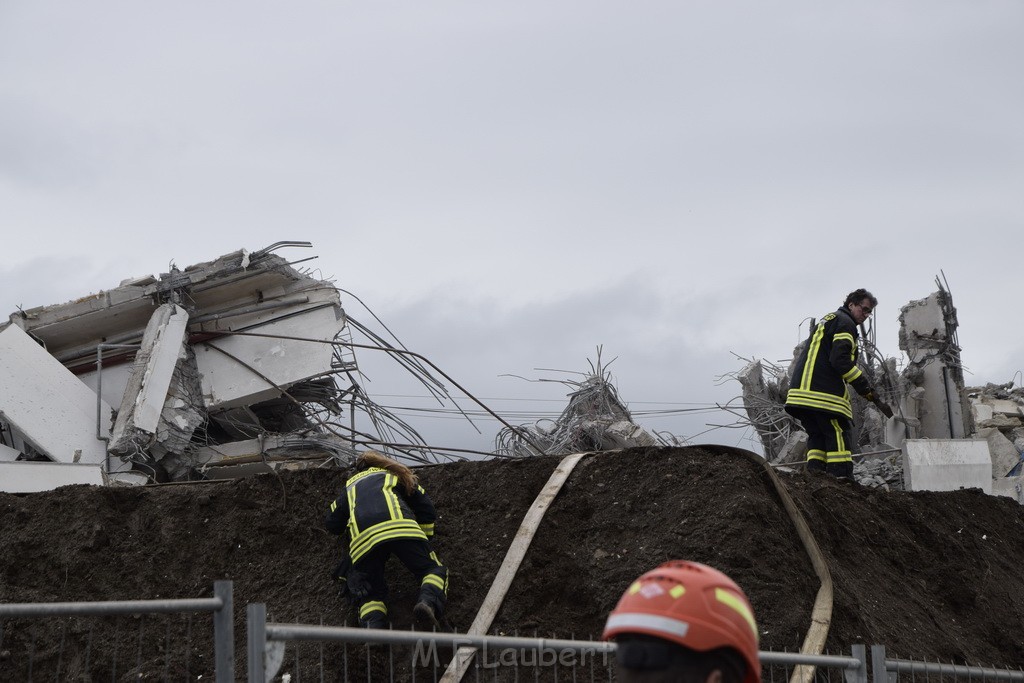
(1004, 454)
(166, 348)
(8, 454)
(248, 370)
(1011, 487)
(32, 477)
(981, 411)
(947, 464)
(47, 404)
(1003, 406)
(924, 317)
(150, 381)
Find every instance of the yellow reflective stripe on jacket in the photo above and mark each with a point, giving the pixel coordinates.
(820, 400)
(394, 507)
(852, 374)
(812, 357)
(385, 531)
(353, 527)
(428, 529)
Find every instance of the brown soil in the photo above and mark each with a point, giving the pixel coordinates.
(930, 575)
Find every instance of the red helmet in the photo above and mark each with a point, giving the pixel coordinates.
(693, 605)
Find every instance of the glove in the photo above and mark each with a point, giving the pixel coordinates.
(358, 584)
(870, 396)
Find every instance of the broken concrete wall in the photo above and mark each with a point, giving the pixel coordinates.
(933, 377)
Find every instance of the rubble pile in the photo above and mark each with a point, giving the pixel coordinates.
(997, 416)
(931, 404)
(594, 420)
(225, 368)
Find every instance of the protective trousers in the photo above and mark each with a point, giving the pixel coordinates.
(418, 558)
(828, 438)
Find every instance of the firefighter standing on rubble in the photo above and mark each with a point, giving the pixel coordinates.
(684, 621)
(384, 512)
(818, 395)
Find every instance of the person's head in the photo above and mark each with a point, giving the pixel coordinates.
(370, 459)
(684, 621)
(860, 303)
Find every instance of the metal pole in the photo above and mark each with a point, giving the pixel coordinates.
(51, 609)
(224, 632)
(879, 673)
(256, 626)
(859, 675)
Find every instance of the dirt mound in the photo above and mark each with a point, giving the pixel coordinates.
(930, 575)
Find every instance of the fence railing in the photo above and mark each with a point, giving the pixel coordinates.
(885, 669)
(584, 660)
(221, 605)
(499, 656)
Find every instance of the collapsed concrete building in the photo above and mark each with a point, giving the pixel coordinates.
(943, 435)
(234, 365)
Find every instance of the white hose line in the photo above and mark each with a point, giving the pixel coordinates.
(510, 565)
(821, 613)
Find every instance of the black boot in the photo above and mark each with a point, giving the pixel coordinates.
(425, 616)
(815, 465)
(841, 470)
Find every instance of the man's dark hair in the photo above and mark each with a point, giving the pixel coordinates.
(858, 295)
(646, 658)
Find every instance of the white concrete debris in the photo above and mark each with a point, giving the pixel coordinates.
(32, 477)
(933, 380)
(150, 380)
(48, 413)
(242, 348)
(947, 465)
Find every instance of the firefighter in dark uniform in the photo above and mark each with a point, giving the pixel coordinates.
(818, 395)
(383, 512)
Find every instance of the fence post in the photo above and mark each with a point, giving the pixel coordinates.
(878, 671)
(224, 633)
(860, 675)
(256, 627)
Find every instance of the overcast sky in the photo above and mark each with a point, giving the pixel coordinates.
(510, 185)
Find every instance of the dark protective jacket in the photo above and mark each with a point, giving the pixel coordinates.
(827, 363)
(375, 508)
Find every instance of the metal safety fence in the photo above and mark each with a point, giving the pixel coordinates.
(885, 669)
(386, 655)
(220, 605)
(360, 654)
(301, 652)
